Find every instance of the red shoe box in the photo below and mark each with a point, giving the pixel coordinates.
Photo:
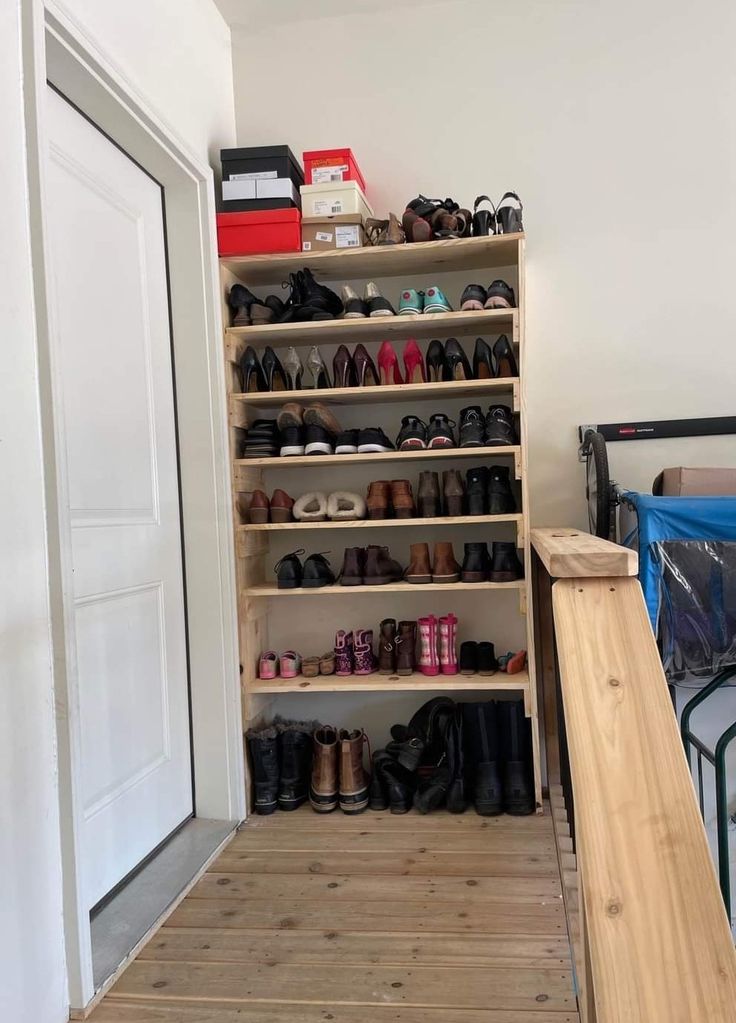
(258, 232)
(324, 165)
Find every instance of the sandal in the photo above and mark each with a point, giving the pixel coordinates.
(484, 220)
(508, 217)
(384, 232)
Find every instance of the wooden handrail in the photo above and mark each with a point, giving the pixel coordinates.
(570, 553)
(654, 945)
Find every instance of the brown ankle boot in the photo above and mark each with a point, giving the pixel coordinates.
(379, 499)
(323, 789)
(428, 495)
(444, 568)
(406, 644)
(387, 647)
(402, 499)
(420, 569)
(453, 492)
(353, 567)
(380, 567)
(353, 778)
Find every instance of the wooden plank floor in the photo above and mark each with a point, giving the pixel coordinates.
(367, 919)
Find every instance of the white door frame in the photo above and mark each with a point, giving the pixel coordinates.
(56, 49)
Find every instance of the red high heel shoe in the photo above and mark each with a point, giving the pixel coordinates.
(414, 363)
(388, 364)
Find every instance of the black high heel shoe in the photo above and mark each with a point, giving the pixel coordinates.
(457, 366)
(482, 361)
(484, 220)
(503, 353)
(240, 299)
(508, 217)
(273, 370)
(343, 368)
(435, 362)
(254, 379)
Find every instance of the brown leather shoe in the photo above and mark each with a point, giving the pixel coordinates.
(420, 569)
(387, 647)
(353, 567)
(353, 793)
(453, 492)
(323, 789)
(402, 499)
(281, 505)
(259, 507)
(428, 495)
(444, 568)
(379, 499)
(380, 567)
(406, 644)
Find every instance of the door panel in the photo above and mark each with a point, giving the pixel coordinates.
(116, 443)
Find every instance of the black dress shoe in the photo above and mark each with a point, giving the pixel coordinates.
(273, 370)
(347, 442)
(482, 361)
(476, 485)
(372, 439)
(439, 431)
(501, 500)
(317, 572)
(468, 658)
(289, 571)
(412, 435)
(503, 353)
(487, 663)
(472, 427)
(506, 566)
(317, 441)
(292, 441)
(476, 564)
(435, 362)
(254, 379)
(457, 366)
(500, 428)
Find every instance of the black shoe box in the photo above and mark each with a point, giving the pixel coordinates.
(261, 163)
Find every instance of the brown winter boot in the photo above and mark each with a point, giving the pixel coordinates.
(444, 568)
(402, 499)
(353, 778)
(420, 569)
(380, 567)
(406, 644)
(453, 492)
(387, 647)
(323, 789)
(379, 499)
(428, 495)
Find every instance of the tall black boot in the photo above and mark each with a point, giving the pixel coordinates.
(516, 753)
(456, 801)
(481, 742)
(296, 762)
(264, 762)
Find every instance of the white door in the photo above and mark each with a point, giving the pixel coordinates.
(116, 443)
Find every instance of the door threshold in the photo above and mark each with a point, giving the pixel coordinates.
(129, 918)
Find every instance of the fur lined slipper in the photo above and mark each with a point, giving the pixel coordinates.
(344, 505)
(310, 507)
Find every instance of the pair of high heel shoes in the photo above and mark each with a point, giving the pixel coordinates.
(273, 374)
(503, 218)
(359, 370)
(449, 361)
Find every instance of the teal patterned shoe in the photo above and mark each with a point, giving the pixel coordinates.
(435, 301)
(411, 302)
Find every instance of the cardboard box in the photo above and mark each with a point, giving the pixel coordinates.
(322, 234)
(683, 482)
(329, 199)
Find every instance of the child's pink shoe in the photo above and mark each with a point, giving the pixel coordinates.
(268, 666)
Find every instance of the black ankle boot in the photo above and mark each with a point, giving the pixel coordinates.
(501, 500)
(476, 563)
(516, 752)
(475, 489)
(264, 759)
(400, 785)
(481, 744)
(506, 566)
(431, 793)
(296, 763)
(320, 297)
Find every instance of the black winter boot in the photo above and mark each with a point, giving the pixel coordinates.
(456, 802)
(377, 793)
(400, 785)
(432, 791)
(296, 761)
(481, 740)
(263, 747)
(501, 500)
(516, 753)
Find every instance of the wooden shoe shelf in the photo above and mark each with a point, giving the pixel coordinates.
(262, 608)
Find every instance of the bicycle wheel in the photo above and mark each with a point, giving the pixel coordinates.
(597, 484)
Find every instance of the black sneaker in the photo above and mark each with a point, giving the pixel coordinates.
(474, 297)
(500, 429)
(500, 295)
(472, 427)
(501, 500)
(292, 441)
(375, 303)
(317, 441)
(412, 435)
(347, 442)
(439, 431)
(373, 439)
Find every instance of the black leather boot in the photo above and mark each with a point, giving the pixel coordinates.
(475, 490)
(400, 785)
(501, 500)
(431, 793)
(264, 760)
(481, 742)
(296, 763)
(516, 752)
(472, 427)
(476, 564)
(378, 791)
(456, 801)
(505, 567)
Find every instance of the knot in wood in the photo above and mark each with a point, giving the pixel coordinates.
(613, 907)
(614, 682)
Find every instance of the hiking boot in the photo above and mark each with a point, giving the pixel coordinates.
(472, 427)
(411, 302)
(444, 567)
(428, 495)
(380, 567)
(323, 789)
(412, 435)
(353, 567)
(506, 566)
(439, 431)
(353, 790)
(296, 763)
(406, 643)
(476, 563)
(402, 499)
(420, 568)
(373, 439)
(317, 572)
(387, 647)
(264, 759)
(476, 481)
(378, 500)
(500, 295)
(435, 301)
(482, 749)
(516, 752)
(318, 296)
(453, 492)
(500, 428)
(501, 500)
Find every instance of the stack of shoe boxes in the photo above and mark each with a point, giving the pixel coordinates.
(261, 204)
(334, 206)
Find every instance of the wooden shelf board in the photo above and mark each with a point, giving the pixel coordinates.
(381, 261)
(268, 590)
(500, 682)
(380, 456)
(373, 328)
(444, 520)
(384, 395)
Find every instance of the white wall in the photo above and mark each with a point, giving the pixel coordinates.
(177, 57)
(613, 119)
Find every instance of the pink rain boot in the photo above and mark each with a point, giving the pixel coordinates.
(448, 644)
(344, 660)
(428, 660)
(365, 662)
